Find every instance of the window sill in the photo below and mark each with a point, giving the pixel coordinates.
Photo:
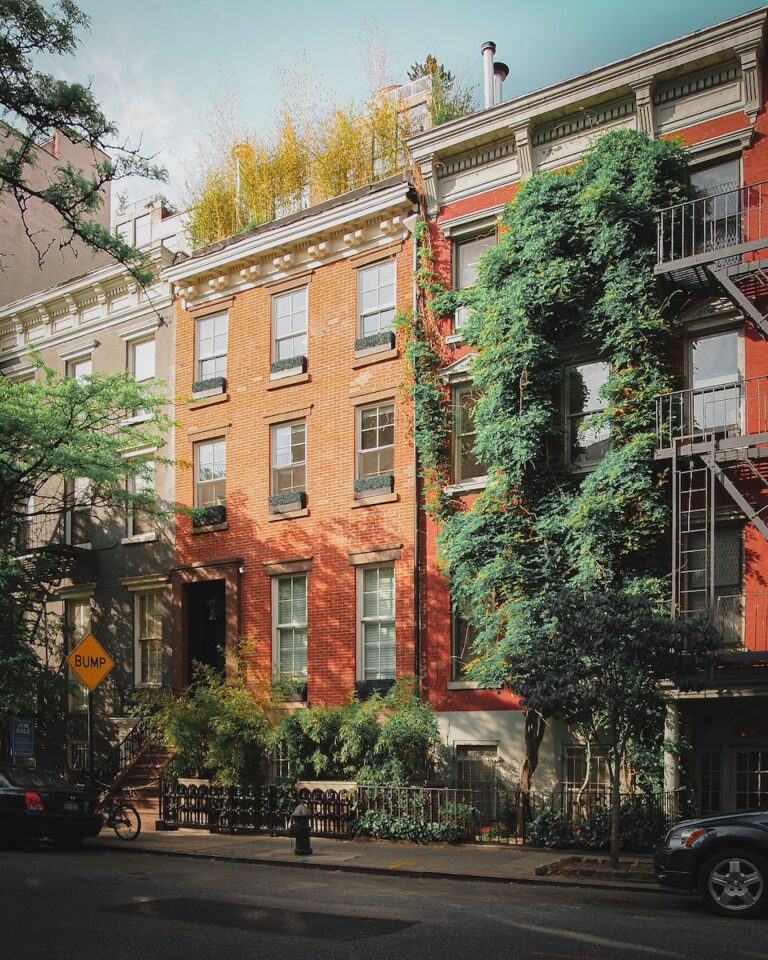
(277, 382)
(366, 359)
(139, 418)
(373, 501)
(208, 401)
(140, 538)
(463, 685)
(288, 515)
(478, 483)
(81, 546)
(209, 528)
(454, 339)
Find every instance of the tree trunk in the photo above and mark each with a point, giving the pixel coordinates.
(535, 725)
(615, 771)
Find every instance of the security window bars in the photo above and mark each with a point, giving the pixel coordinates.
(717, 216)
(591, 776)
(466, 257)
(376, 297)
(377, 622)
(149, 639)
(211, 346)
(290, 614)
(141, 518)
(289, 456)
(77, 617)
(210, 472)
(586, 445)
(142, 360)
(289, 311)
(376, 440)
(465, 463)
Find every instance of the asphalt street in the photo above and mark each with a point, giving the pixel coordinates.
(98, 904)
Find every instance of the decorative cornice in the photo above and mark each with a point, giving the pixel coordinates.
(696, 83)
(585, 119)
(479, 158)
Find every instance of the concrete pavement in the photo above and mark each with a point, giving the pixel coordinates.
(507, 864)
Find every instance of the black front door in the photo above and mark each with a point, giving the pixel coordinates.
(206, 624)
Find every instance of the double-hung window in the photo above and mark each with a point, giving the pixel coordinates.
(77, 618)
(717, 221)
(289, 456)
(211, 346)
(466, 257)
(465, 464)
(141, 360)
(587, 445)
(80, 369)
(376, 604)
(210, 472)
(80, 501)
(149, 639)
(376, 297)
(376, 440)
(715, 372)
(463, 636)
(289, 324)
(289, 611)
(140, 518)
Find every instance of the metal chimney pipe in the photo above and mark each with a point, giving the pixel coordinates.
(488, 49)
(500, 74)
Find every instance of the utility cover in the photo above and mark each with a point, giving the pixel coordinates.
(90, 661)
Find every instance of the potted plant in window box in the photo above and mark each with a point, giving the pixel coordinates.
(208, 388)
(376, 486)
(290, 688)
(287, 367)
(287, 501)
(209, 516)
(375, 343)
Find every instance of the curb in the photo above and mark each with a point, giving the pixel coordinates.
(387, 872)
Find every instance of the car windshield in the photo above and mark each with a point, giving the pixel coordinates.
(28, 777)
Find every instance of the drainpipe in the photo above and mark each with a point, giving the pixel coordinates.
(488, 49)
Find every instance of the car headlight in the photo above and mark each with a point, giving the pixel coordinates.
(686, 836)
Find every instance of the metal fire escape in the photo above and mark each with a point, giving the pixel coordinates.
(715, 438)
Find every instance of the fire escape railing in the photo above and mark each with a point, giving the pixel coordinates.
(742, 620)
(713, 228)
(726, 410)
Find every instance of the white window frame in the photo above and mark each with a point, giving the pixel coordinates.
(294, 334)
(581, 465)
(73, 367)
(275, 467)
(71, 643)
(220, 369)
(459, 482)
(461, 314)
(703, 332)
(198, 446)
(138, 597)
(296, 624)
(131, 510)
(76, 502)
(361, 620)
(359, 475)
(132, 345)
(381, 307)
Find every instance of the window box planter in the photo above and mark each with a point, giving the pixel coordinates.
(375, 343)
(287, 367)
(208, 388)
(290, 689)
(288, 501)
(208, 516)
(366, 688)
(377, 486)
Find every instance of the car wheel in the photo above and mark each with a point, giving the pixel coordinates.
(734, 883)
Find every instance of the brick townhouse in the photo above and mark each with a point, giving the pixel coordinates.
(295, 451)
(706, 88)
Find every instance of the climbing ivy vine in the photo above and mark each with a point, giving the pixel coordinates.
(574, 262)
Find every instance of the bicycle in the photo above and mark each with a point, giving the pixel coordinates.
(122, 816)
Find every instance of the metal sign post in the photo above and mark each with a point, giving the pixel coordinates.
(91, 662)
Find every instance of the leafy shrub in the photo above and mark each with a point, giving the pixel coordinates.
(642, 825)
(212, 383)
(375, 340)
(288, 363)
(387, 826)
(377, 482)
(549, 829)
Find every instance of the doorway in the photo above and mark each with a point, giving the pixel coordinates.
(206, 625)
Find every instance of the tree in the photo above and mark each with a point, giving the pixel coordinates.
(597, 660)
(34, 104)
(61, 439)
(450, 98)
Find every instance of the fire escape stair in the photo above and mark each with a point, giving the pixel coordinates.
(743, 283)
(750, 511)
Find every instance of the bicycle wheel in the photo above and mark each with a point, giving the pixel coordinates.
(127, 823)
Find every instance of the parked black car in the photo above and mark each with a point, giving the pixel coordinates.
(724, 858)
(39, 803)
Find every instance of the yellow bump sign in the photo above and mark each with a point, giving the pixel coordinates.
(90, 661)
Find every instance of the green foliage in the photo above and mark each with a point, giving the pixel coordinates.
(214, 728)
(37, 104)
(450, 98)
(642, 827)
(387, 826)
(380, 740)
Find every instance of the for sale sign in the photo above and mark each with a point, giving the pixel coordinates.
(90, 661)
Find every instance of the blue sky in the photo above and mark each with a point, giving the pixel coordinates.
(158, 65)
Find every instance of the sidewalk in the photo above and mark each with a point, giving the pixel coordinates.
(506, 864)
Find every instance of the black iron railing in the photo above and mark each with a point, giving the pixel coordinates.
(713, 227)
(126, 751)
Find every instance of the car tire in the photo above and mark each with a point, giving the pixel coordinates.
(734, 883)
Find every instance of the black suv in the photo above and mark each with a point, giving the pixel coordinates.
(724, 858)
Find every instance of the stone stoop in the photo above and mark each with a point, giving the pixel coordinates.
(140, 784)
